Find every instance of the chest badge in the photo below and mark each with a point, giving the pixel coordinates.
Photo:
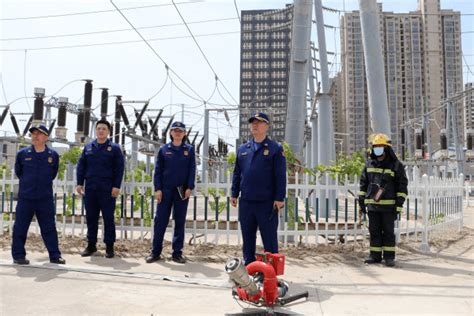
(186, 153)
(266, 152)
(50, 159)
(28, 158)
(109, 148)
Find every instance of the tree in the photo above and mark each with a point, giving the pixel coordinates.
(69, 156)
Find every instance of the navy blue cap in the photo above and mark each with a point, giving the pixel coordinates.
(39, 127)
(261, 117)
(178, 125)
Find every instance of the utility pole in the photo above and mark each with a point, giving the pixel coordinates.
(300, 52)
(327, 150)
(374, 67)
(426, 126)
(312, 94)
(205, 150)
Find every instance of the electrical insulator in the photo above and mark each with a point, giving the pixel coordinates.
(80, 122)
(117, 132)
(469, 141)
(52, 125)
(27, 127)
(124, 116)
(165, 131)
(470, 138)
(139, 122)
(219, 145)
(443, 139)
(15, 124)
(155, 123)
(118, 103)
(38, 110)
(4, 114)
(87, 106)
(200, 143)
(62, 115)
(194, 139)
(418, 143)
(123, 138)
(139, 117)
(104, 103)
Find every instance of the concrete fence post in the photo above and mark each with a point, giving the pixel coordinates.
(424, 247)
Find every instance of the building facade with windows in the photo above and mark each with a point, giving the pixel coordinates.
(469, 107)
(264, 68)
(423, 67)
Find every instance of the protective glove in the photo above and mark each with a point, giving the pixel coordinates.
(362, 207)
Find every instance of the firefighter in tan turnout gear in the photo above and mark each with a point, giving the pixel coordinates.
(383, 189)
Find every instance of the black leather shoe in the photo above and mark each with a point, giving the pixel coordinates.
(390, 262)
(109, 251)
(372, 260)
(90, 249)
(179, 259)
(58, 261)
(151, 258)
(21, 261)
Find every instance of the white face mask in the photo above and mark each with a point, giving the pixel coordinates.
(378, 151)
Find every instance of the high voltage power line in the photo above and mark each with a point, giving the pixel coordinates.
(112, 31)
(91, 12)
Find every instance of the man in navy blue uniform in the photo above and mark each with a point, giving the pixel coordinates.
(260, 179)
(36, 166)
(175, 170)
(101, 167)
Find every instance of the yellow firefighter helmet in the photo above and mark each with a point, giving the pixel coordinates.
(379, 139)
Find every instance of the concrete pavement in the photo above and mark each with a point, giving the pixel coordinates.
(439, 283)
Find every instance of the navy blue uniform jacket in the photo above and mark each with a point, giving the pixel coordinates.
(260, 175)
(175, 166)
(36, 172)
(101, 166)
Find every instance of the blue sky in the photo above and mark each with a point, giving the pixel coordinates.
(132, 69)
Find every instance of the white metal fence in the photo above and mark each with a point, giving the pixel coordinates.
(322, 210)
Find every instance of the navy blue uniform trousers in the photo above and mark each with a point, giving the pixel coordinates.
(253, 214)
(45, 214)
(171, 199)
(95, 201)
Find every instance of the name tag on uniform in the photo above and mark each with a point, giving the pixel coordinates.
(109, 148)
(244, 153)
(28, 158)
(186, 153)
(50, 159)
(266, 152)
(168, 153)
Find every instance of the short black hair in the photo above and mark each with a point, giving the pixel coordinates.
(103, 122)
